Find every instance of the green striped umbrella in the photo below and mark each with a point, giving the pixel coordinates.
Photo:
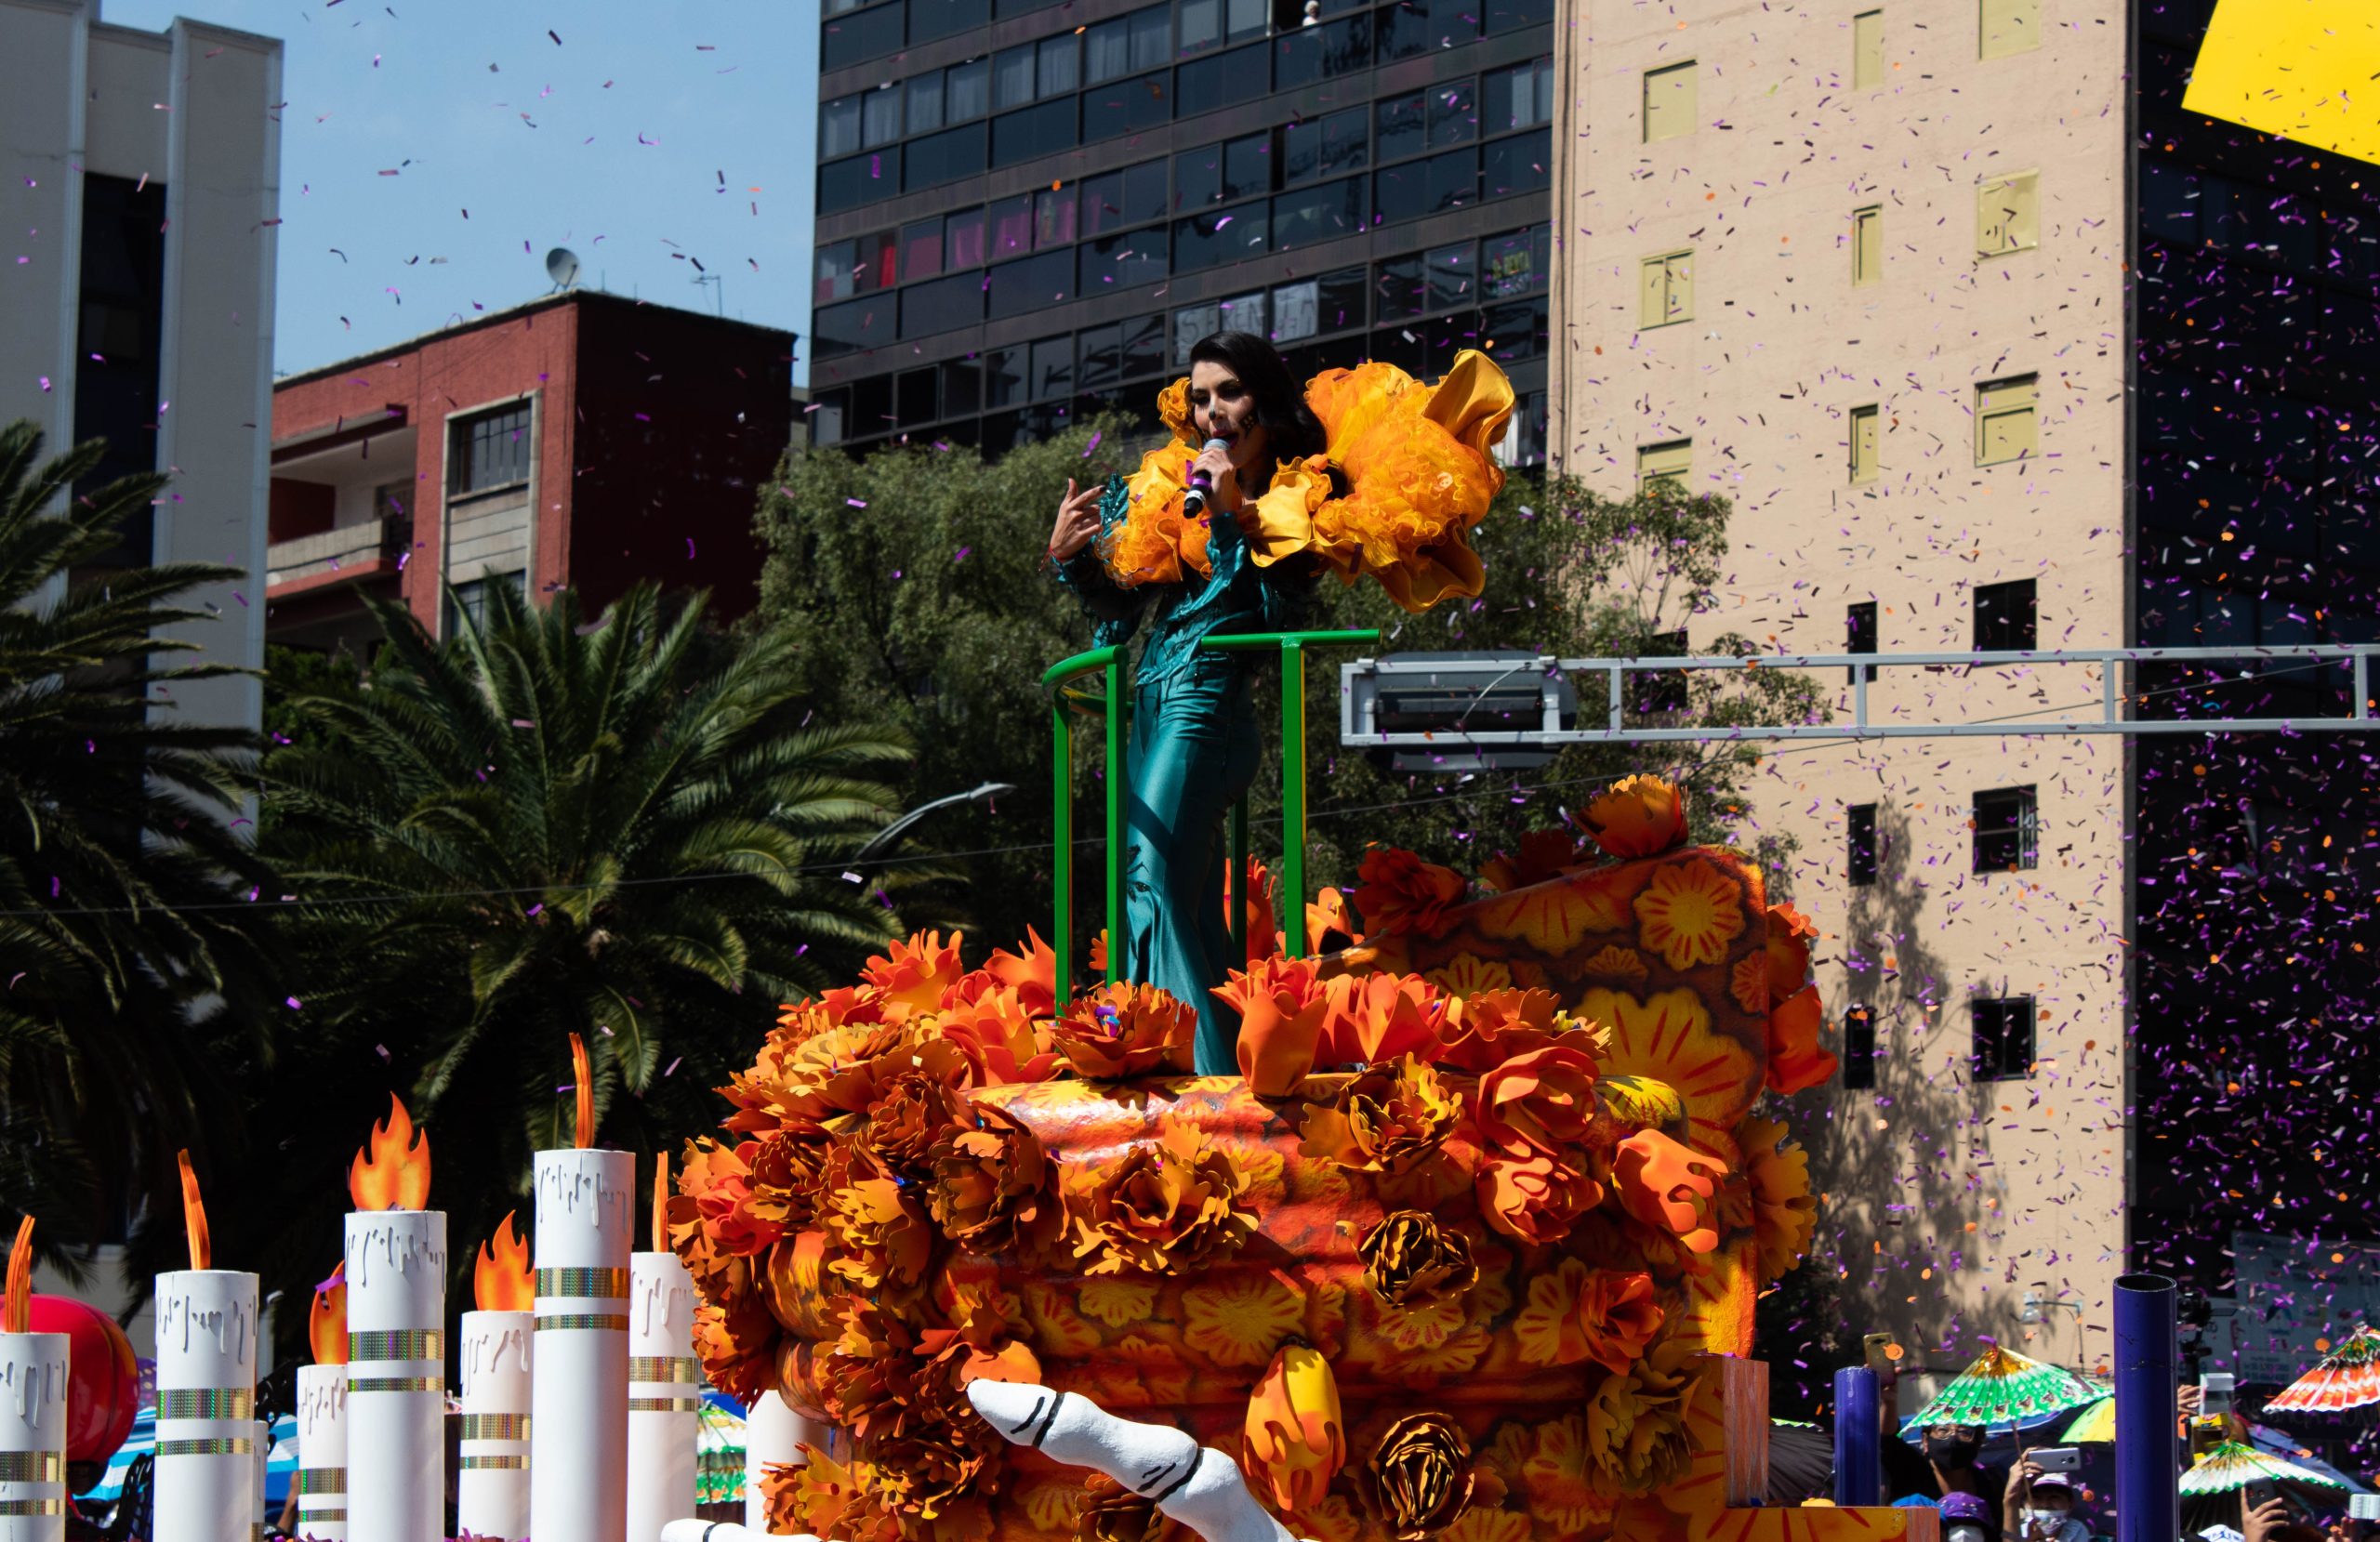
(2234, 1466)
(2006, 1390)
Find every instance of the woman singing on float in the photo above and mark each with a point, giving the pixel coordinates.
(1366, 471)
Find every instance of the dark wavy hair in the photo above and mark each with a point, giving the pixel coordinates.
(1280, 400)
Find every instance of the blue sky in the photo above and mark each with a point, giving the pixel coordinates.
(653, 136)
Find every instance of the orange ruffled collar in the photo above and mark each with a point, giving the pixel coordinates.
(1417, 469)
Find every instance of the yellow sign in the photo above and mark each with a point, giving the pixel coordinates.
(2305, 70)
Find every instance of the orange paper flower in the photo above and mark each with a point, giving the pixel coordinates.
(1483, 1030)
(1641, 816)
(1124, 1030)
(1387, 1118)
(1281, 1004)
(1411, 1261)
(1295, 1439)
(1784, 1212)
(1636, 1422)
(1399, 892)
(1690, 911)
(1535, 1200)
(1255, 895)
(913, 975)
(1790, 935)
(1796, 1059)
(1419, 1478)
(1543, 854)
(1168, 1206)
(1670, 1187)
(1328, 927)
(1577, 1313)
(1378, 1016)
(1541, 1103)
(991, 1190)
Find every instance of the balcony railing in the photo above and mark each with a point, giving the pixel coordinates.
(1113, 704)
(337, 550)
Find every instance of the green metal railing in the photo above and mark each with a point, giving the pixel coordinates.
(1115, 708)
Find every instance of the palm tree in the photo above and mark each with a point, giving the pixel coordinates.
(122, 870)
(630, 829)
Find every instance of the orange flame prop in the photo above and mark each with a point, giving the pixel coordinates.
(392, 1171)
(202, 1246)
(661, 1202)
(584, 1133)
(326, 1320)
(501, 1281)
(17, 1315)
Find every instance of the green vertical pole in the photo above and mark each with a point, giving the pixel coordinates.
(1118, 836)
(1062, 873)
(1294, 791)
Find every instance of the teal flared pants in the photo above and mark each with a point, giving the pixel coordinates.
(1194, 755)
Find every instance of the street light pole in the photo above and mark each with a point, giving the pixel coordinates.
(884, 840)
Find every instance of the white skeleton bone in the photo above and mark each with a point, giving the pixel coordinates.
(1194, 1484)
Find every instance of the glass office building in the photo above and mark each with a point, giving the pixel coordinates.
(1027, 212)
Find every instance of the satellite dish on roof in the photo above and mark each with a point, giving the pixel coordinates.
(562, 266)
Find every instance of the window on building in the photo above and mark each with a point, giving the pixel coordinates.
(469, 599)
(2008, 213)
(1243, 313)
(1866, 446)
(1190, 323)
(1515, 263)
(2007, 833)
(1401, 124)
(1452, 275)
(1521, 97)
(1141, 41)
(2005, 27)
(1667, 290)
(966, 92)
(1004, 377)
(915, 399)
(2006, 618)
(1669, 102)
(922, 249)
(1454, 114)
(1053, 216)
(1859, 628)
(1201, 24)
(1859, 843)
(962, 387)
(488, 450)
(2003, 1038)
(1058, 68)
(925, 101)
(1054, 367)
(1012, 227)
(1859, 1050)
(1868, 50)
(1323, 147)
(2004, 425)
(1118, 199)
(962, 240)
(880, 118)
(1295, 308)
(838, 128)
(1867, 246)
(1013, 77)
(1670, 462)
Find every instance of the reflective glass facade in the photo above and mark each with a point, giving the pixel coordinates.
(1028, 213)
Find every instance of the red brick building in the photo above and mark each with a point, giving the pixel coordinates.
(581, 441)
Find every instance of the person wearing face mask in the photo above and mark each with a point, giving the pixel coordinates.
(2039, 1505)
(1183, 550)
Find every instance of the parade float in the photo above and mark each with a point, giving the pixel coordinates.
(1469, 1250)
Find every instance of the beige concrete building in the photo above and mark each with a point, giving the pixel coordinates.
(1860, 269)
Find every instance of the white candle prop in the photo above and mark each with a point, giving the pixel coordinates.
(665, 1392)
(207, 1406)
(493, 1490)
(322, 1453)
(33, 1437)
(578, 1429)
(396, 1376)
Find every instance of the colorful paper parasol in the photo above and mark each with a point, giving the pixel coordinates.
(2006, 1389)
(2097, 1422)
(2234, 1466)
(2346, 1377)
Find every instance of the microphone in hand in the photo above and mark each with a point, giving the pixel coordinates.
(1202, 486)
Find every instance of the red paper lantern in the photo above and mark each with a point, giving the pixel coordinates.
(102, 1379)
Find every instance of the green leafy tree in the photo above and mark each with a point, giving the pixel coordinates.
(634, 829)
(911, 583)
(125, 949)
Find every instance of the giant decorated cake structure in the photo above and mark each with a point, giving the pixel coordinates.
(1469, 1251)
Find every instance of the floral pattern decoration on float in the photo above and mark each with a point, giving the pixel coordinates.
(1473, 1289)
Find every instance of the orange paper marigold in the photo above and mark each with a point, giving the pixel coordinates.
(1797, 1060)
(1384, 1120)
(1125, 1030)
(1168, 1206)
(1641, 816)
(1399, 892)
(1577, 1313)
(1690, 911)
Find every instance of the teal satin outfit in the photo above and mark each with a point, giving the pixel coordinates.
(1194, 754)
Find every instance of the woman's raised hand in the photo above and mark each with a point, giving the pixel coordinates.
(1078, 521)
(1221, 476)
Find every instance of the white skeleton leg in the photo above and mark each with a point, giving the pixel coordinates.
(1197, 1485)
